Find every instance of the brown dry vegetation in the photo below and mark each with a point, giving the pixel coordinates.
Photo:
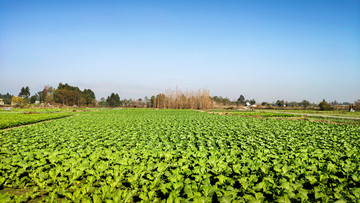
(183, 100)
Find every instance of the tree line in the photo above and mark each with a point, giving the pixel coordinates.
(67, 95)
(171, 100)
(64, 94)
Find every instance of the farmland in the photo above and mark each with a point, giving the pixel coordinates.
(8, 120)
(341, 113)
(339, 117)
(179, 156)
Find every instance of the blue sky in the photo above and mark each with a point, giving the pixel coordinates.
(265, 50)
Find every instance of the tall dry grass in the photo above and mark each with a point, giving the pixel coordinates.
(176, 99)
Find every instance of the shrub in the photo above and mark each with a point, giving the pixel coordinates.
(324, 106)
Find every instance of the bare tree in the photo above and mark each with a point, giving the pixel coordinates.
(178, 100)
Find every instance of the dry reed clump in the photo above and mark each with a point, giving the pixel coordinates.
(179, 100)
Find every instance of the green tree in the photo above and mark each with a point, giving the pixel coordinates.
(265, 104)
(139, 102)
(113, 100)
(25, 92)
(147, 101)
(280, 103)
(41, 96)
(153, 102)
(293, 104)
(305, 104)
(222, 101)
(241, 100)
(6, 98)
(70, 95)
(34, 98)
(89, 96)
(102, 102)
(324, 106)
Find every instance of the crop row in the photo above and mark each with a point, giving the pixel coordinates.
(173, 155)
(8, 120)
(264, 114)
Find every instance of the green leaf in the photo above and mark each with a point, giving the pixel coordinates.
(302, 195)
(5, 197)
(341, 201)
(260, 186)
(311, 179)
(283, 199)
(178, 186)
(226, 199)
(285, 185)
(331, 167)
(356, 177)
(96, 199)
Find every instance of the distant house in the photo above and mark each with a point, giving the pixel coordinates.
(7, 108)
(1, 102)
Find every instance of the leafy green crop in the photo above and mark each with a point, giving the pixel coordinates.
(264, 114)
(179, 156)
(8, 120)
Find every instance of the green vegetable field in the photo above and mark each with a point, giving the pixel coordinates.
(8, 120)
(264, 114)
(140, 155)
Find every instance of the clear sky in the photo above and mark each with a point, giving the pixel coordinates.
(265, 50)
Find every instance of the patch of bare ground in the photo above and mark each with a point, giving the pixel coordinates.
(15, 191)
(22, 191)
(31, 112)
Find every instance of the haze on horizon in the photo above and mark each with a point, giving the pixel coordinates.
(264, 50)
